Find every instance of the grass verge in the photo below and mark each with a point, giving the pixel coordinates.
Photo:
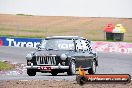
(24, 25)
(5, 66)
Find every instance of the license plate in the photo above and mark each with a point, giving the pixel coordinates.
(44, 68)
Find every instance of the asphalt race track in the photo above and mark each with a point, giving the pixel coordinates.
(109, 63)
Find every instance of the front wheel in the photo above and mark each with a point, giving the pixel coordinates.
(54, 73)
(31, 72)
(72, 68)
(92, 70)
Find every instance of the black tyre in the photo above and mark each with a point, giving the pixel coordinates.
(92, 70)
(54, 73)
(31, 72)
(72, 68)
(96, 61)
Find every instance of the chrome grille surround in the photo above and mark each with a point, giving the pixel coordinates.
(46, 60)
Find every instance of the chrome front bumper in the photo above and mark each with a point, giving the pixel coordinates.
(52, 67)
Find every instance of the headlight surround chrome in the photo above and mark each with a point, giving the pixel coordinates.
(63, 56)
(29, 56)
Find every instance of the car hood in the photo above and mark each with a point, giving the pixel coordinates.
(53, 52)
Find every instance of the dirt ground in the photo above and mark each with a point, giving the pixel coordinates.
(57, 84)
(41, 26)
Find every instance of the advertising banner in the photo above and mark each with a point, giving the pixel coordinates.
(116, 47)
(99, 46)
(19, 42)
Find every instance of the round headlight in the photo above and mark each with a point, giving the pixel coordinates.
(63, 57)
(29, 56)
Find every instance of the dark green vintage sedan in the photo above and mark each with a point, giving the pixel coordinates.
(59, 54)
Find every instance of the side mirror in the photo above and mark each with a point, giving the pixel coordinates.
(38, 46)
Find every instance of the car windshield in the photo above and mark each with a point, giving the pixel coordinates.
(57, 44)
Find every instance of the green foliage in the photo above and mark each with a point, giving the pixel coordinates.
(5, 66)
(24, 15)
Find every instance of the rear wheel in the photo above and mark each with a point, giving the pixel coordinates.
(92, 70)
(31, 72)
(72, 68)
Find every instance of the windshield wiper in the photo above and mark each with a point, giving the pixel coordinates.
(40, 49)
(52, 49)
(49, 49)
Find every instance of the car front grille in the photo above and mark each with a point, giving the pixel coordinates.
(46, 60)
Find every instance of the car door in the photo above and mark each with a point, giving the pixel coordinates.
(87, 50)
(83, 58)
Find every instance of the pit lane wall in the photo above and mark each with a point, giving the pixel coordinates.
(101, 46)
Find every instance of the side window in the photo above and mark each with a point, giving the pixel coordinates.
(84, 45)
(79, 46)
(88, 44)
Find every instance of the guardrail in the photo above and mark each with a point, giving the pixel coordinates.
(101, 46)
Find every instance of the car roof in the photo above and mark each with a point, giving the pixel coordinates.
(64, 37)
